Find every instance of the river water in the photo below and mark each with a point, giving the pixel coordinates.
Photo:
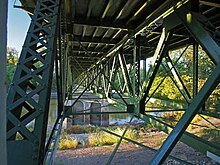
(113, 118)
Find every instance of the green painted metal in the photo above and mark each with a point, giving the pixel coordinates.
(125, 73)
(111, 76)
(190, 113)
(177, 79)
(53, 141)
(141, 145)
(119, 142)
(167, 73)
(195, 69)
(137, 57)
(211, 114)
(119, 93)
(195, 142)
(59, 79)
(137, 143)
(101, 76)
(159, 54)
(29, 95)
(202, 37)
(3, 86)
(198, 32)
(68, 112)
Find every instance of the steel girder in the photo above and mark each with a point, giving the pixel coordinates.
(187, 18)
(124, 72)
(130, 92)
(29, 95)
(3, 86)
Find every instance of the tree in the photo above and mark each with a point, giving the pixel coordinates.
(12, 59)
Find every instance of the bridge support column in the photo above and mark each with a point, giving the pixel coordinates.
(29, 95)
(3, 41)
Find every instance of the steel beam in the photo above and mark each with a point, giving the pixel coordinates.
(58, 73)
(163, 10)
(203, 38)
(177, 78)
(89, 50)
(185, 120)
(96, 40)
(105, 23)
(125, 72)
(193, 141)
(159, 54)
(195, 68)
(120, 140)
(137, 50)
(212, 3)
(3, 88)
(112, 70)
(29, 95)
(213, 50)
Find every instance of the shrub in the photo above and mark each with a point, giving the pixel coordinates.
(67, 143)
(173, 117)
(212, 135)
(78, 129)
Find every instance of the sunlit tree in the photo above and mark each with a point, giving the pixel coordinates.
(12, 59)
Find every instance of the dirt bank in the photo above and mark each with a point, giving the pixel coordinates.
(129, 154)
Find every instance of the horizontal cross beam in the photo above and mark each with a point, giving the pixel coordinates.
(97, 40)
(96, 22)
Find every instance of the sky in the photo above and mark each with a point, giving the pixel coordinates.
(18, 23)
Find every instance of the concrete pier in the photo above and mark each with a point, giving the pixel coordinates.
(89, 102)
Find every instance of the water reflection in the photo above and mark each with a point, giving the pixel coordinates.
(113, 118)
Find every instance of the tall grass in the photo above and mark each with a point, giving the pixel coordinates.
(67, 143)
(104, 138)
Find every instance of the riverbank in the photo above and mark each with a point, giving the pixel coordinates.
(129, 154)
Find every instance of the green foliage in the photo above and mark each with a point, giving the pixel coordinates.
(167, 90)
(78, 129)
(12, 59)
(212, 135)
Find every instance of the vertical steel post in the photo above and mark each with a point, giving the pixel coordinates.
(213, 50)
(138, 55)
(144, 70)
(134, 66)
(3, 41)
(185, 120)
(111, 76)
(29, 95)
(195, 69)
(159, 54)
(125, 72)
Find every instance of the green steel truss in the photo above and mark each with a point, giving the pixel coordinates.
(29, 95)
(131, 93)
